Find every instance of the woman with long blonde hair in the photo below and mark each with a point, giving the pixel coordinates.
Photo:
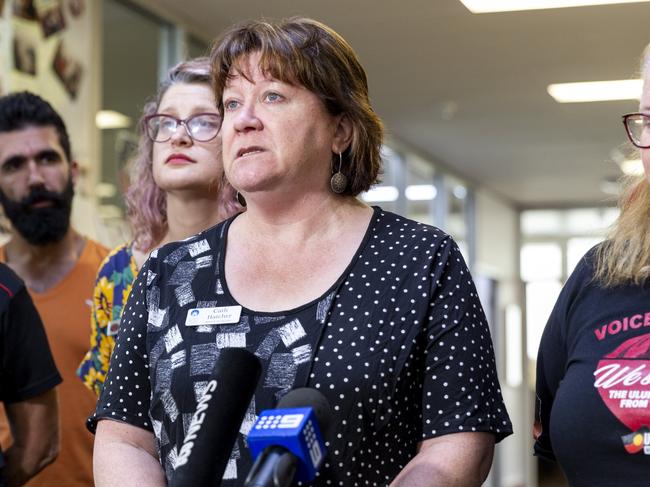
(593, 368)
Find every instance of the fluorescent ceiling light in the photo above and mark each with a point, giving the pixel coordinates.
(632, 167)
(624, 89)
(420, 192)
(110, 119)
(380, 194)
(487, 6)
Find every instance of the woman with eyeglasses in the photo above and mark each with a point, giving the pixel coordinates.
(177, 189)
(592, 410)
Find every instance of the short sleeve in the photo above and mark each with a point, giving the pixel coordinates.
(461, 391)
(28, 368)
(94, 366)
(552, 359)
(126, 392)
(112, 287)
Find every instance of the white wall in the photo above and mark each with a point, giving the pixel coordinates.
(81, 41)
(497, 255)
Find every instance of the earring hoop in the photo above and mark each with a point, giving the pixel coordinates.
(339, 181)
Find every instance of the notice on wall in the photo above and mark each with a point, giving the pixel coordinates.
(24, 53)
(24, 9)
(68, 70)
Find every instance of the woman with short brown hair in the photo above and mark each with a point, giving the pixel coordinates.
(376, 311)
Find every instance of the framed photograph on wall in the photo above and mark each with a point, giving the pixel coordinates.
(76, 7)
(68, 70)
(50, 16)
(24, 51)
(24, 9)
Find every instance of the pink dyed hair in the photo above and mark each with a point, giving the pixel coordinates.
(146, 203)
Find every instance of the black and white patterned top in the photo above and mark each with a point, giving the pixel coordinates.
(399, 346)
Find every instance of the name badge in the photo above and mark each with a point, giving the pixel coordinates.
(112, 328)
(213, 316)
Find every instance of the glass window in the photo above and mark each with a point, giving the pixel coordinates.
(420, 191)
(513, 325)
(541, 261)
(573, 222)
(577, 247)
(541, 222)
(554, 243)
(386, 194)
(540, 299)
(411, 186)
(584, 221)
(131, 52)
(456, 224)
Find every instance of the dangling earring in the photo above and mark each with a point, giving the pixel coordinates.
(240, 199)
(339, 180)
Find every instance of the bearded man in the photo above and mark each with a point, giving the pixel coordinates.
(57, 263)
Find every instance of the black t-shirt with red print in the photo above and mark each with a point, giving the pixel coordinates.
(593, 382)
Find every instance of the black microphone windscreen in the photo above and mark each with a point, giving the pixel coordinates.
(308, 397)
(213, 430)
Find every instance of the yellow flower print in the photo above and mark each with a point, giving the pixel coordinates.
(103, 301)
(94, 380)
(125, 294)
(105, 350)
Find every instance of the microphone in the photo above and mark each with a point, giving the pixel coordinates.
(213, 430)
(287, 441)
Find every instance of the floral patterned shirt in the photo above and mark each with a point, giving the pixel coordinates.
(112, 287)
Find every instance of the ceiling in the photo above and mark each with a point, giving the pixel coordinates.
(469, 91)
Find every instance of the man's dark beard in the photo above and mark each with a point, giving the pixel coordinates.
(41, 226)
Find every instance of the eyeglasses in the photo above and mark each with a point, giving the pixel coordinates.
(201, 127)
(637, 126)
